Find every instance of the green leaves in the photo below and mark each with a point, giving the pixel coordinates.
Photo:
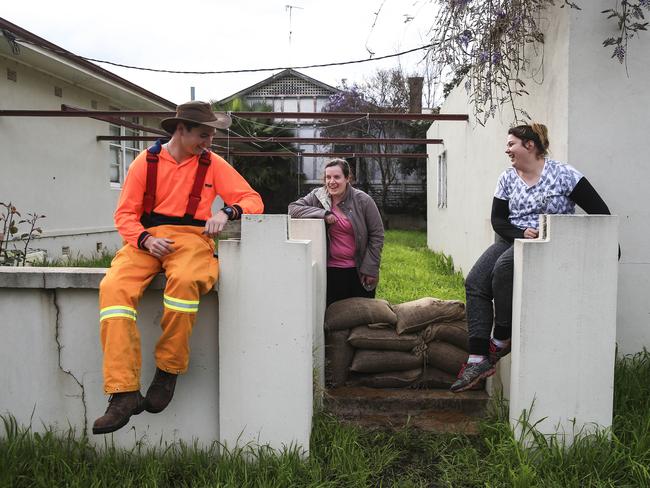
(506, 43)
(626, 15)
(9, 227)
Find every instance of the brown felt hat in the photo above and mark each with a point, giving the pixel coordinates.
(199, 113)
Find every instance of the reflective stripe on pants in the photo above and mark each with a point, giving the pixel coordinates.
(191, 271)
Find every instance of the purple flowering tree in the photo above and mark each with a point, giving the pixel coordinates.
(384, 91)
(487, 44)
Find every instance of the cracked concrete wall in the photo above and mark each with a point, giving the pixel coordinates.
(52, 361)
(272, 308)
(34, 389)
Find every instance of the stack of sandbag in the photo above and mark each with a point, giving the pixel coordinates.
(340, 318)
(442, 329)
(422, 343)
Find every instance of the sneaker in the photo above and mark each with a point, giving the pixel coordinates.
(495, 353)
(471, 373)
(120, 408)
(160, 391)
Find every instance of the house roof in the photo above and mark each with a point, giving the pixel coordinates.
(272, 80)
(48, 57)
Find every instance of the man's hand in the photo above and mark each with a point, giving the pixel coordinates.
(531, 233)
(159, 246)
(330, 219)
(215, 224)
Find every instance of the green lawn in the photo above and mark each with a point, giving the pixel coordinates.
(343, 456)
(409, 270)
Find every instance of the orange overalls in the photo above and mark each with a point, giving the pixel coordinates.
(191, 270)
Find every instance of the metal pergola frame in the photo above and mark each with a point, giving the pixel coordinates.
(114, 117)
(286, 154)
(321, 141)
(69, 111)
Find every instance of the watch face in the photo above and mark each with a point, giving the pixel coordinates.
(228, 211)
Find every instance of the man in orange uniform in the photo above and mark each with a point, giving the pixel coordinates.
(164, 215)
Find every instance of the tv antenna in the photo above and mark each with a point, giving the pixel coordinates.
(290, 9)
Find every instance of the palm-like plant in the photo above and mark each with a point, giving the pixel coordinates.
(274, 177)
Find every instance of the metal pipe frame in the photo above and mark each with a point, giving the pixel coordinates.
(304, 140)
(252, 115)
(287, 154)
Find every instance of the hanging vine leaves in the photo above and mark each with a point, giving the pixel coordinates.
(488, 45)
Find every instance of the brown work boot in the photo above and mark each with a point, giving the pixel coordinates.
(160, 391)
(120, 408)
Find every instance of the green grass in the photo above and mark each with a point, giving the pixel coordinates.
(409, 270)
(342, 456)
(98, 260)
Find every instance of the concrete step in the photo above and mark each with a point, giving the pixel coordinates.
(430, 410)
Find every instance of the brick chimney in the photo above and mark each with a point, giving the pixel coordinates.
(415, 94)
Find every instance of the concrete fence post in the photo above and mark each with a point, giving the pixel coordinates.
(314, 231)
(564, 326)
(266, 311)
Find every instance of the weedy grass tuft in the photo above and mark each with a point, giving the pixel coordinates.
(96, 260)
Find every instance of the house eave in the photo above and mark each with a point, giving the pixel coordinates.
(53, 60)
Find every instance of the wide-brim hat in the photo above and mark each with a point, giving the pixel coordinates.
(198, 113)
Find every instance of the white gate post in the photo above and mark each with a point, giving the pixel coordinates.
(564, 325)
(265, 336)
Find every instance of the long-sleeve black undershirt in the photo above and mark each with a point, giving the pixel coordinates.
(584, 195)
(501, 223)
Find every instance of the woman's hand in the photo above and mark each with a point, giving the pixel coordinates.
(330, 219)
(531, 233)
(368, 281)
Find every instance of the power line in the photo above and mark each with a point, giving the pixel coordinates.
(256, 70)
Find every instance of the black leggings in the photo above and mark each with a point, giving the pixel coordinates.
(490, 279)
(345, 283)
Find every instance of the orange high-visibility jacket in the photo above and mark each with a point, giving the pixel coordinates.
(173, 188)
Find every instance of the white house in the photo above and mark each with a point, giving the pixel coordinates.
(597, 117)
(56, 166)
(292, 91)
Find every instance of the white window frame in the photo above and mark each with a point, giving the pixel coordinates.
(442, 180)
(122, 153)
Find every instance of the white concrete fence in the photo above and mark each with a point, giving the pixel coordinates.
(251, 376)
(560, 375)
(257, 348)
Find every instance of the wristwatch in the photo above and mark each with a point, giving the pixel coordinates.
(229, 211)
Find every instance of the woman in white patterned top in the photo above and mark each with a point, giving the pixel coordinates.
(534, 185)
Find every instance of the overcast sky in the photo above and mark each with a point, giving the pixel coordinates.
(210, 35)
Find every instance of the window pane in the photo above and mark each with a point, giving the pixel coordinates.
(115, 163)
(132, 132)
(116, 152)
(114, 172)
(129, 156)
(114, 130)
(133, 145)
